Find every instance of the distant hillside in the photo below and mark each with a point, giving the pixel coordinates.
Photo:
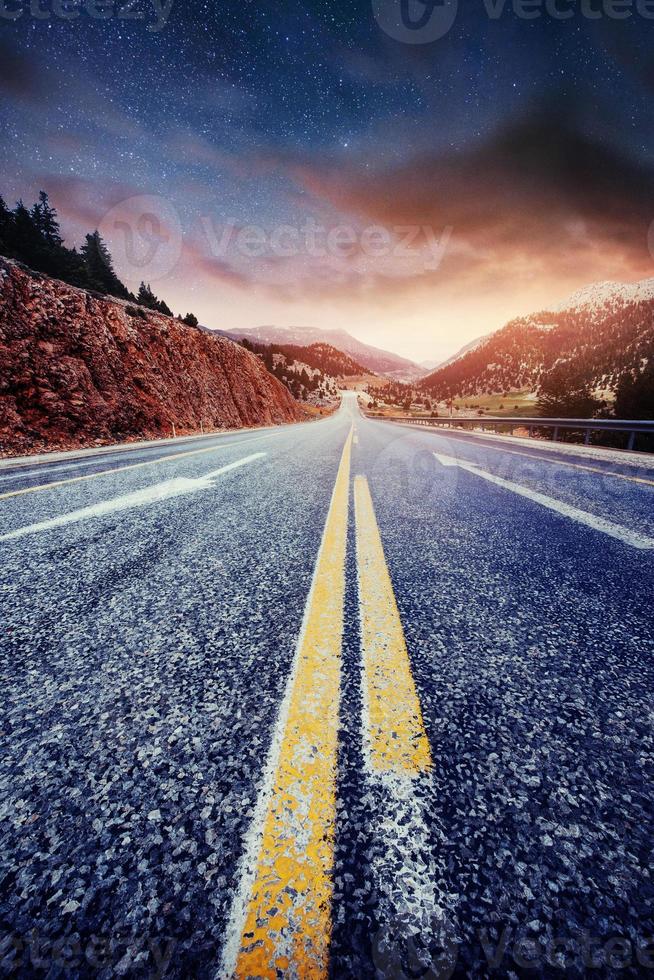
(471, 345)
(372, 358)
(597, 341)
(512, 358)
(324, 358)
(310, 373)
(78, 369)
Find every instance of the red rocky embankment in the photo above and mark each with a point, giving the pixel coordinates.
(77, 369)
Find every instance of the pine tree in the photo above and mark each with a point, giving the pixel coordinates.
(100, 267)
(565, 394)
(6, 229)
(145, 297)
(46, 221)
(27, 240)
(73, 269)
(634, 398)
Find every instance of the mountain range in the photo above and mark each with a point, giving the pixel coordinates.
(599, 337)
(312, 373)
(375, 359)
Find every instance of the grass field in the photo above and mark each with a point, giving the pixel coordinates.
(360, 382)
(520, 404)
(517, 404)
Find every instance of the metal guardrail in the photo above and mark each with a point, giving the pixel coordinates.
(586, 426)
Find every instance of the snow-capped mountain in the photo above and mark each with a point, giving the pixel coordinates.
(601, 294)
(600, 334)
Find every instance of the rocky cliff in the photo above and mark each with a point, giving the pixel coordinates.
(78, 369)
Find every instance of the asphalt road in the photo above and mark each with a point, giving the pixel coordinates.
(338, 698)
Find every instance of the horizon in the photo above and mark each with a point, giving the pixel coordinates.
(311, 165)
(558, 302)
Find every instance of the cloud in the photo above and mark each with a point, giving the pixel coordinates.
(534, 198)
(192, 149)
(22, 79)
(199, 259)
(82, 200)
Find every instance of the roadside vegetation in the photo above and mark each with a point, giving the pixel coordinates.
(32, 236)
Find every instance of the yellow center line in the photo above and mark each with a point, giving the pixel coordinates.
(117, 469)
(396, 732)
(287, 916)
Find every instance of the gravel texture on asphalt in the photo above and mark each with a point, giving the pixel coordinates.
(143, 658)
(144, 654)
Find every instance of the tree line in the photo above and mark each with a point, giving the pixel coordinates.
(33, 237)
(284, 366)
(582, 363)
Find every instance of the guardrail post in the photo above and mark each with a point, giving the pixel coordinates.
(587, 437)
(555, 434)
(632, 440)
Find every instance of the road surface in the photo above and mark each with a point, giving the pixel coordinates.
(342, 698)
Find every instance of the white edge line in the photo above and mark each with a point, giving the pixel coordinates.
(365, 694)
(632, 538)
(231, 466)
(397, 794)
(59, 466)
(247, 869)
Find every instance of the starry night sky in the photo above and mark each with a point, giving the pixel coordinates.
(530, 140)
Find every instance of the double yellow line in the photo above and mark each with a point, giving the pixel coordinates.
(281, 920)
